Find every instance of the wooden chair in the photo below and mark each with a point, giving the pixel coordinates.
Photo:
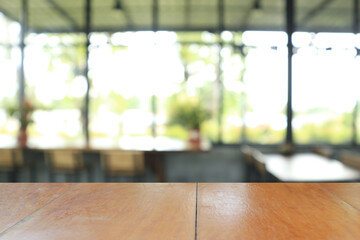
(323, 151)
(122, 163)
(351, 159)
(10, 162)
(68, 162)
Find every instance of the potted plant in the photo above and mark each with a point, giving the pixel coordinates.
(189, 114)
(25, 119)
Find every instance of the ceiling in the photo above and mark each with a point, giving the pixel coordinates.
(182, 15)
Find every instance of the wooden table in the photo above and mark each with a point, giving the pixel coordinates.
(180, 211)
(309, 167)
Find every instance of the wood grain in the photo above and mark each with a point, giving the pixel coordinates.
(273, 211)
(18, 200)
(115, 211)
(349, 192)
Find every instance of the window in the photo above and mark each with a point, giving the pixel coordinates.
(9, 62)
(265, 82)
(55, 86)
(233, 69)
(325, 83)
(121, 74)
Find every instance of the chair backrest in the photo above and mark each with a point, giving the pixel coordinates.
(123, 162)
(259, 161)
(351, 159)
(6, 159)
(64, 160)
(18, 157)
(323, 151)
(248, 154)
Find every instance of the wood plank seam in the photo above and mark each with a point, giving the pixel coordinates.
(29, 216)
(338, 196)
(196, 211)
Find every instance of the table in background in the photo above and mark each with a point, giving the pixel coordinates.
(309, 167)
(179, 211)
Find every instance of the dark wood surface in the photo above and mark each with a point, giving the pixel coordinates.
(309, 167)
(180, 211)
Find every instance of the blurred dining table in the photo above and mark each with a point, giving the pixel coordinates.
(165, 211)
(309, 167)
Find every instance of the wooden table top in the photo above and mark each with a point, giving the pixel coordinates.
(309, 167)
(180, 211)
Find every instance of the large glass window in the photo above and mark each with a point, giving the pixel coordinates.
(233, 69)
(199, 56)
(55, 86)
(9, 63)
(122, 85)
(141, 77)
(325, 87)
(265, 86)
(137, 80)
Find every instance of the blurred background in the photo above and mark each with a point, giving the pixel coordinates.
(190, 81)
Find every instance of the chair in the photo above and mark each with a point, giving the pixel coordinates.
(351, 159)
(122, 163)
(10, 161)
(247, 153)
(259, 163)
(323, 151)
(68, 162)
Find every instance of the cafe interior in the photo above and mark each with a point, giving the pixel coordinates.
(179, 91)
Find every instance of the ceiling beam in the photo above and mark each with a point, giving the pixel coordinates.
(356, 16)
(64, 14)
(221, 15)
(155, 15)
(193, 29)
(313, 12)
(8, 15)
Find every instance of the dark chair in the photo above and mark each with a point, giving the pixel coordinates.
(259, 163)
(351, 159)
(247, 153)
(323, 151)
